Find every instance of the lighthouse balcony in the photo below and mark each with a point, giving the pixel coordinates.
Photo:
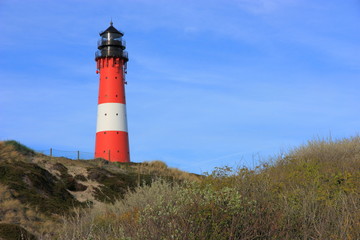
(103, 53)
(111, 42)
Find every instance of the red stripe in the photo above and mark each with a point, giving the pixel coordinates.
(111, 86)
(112, 146)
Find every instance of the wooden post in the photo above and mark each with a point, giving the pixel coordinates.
(109, 155)
(78, 155)
(139, 174)
(50, 152)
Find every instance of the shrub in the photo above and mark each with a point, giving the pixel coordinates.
(313, 192)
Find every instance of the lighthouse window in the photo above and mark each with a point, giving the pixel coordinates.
(105, 114)
(116, 95)
(117, 114)
(106, 77)
(115, 77)
(104, 132)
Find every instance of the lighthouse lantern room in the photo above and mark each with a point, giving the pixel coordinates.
(112, 141)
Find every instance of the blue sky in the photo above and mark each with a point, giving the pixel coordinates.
(210, 83)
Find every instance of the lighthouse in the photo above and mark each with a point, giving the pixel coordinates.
(112, 140)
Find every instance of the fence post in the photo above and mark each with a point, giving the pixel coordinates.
(78, 155)
(139, 174)
(50, 152)
(109, 155)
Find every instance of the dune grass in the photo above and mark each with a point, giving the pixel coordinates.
(312, 192)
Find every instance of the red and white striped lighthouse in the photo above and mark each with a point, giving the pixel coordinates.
(112, 141)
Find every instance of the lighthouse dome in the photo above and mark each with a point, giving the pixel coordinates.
(111, 29)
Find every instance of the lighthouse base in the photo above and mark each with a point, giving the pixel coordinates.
(112, 146)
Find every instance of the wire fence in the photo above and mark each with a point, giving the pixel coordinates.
(75, 155)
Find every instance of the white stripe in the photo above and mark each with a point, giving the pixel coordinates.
(111, 117)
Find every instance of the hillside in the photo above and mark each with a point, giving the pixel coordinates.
(311, 192)
(36, 190)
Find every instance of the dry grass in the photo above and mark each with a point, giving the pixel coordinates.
(12, 211)
(116, 177)
(9, 153)
(160, 168)
(313, 192)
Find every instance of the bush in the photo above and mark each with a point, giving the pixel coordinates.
(311, 193)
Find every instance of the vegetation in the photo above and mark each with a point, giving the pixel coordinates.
(36, 190)
(19, 148)
(27, 179)
(313, 192)
(11, 231)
